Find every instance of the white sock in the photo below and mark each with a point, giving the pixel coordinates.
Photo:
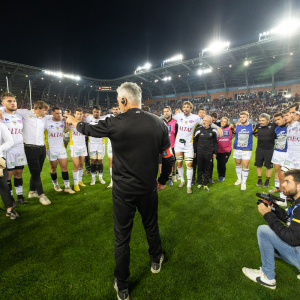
(181, 173)
(75, 177)
(277, 183)
(110, 171)
(80, 173)
(245, 174)
(55, 182)
(238, 171)
(67, 183)
(93, 176)
(19, 190)
(189, 176)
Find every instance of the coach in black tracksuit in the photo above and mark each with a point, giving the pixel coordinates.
(137, 138)
(206, 147)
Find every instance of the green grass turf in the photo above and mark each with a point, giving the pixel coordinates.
(65, 250)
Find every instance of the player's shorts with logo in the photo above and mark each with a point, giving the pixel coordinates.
(56, 153)
(263, 157)
(186, 148)
(242, 154)
(96, 150)
(292, 160)
(109, 149)
(77, 151)
(15, 159)
(278, 157)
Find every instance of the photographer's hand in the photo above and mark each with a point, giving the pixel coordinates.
(264, 209)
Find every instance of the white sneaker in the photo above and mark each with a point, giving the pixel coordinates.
(101, 180)
(44, 200)
(243, 187)
(69, 190)
(174, 178)
(110, 185)
(298, 276)
(93, 182)
(260, 277)
(238, 182)
(33, 195)
(182, 184)
(57, 188)
(284, 204)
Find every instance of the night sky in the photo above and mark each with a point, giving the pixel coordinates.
(109, 39)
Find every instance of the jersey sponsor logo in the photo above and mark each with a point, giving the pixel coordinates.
(15, 130)
(225, 132)
(62, 126)
(56, 134)
(191, 121)
(244, 131)
(77, 133)
(15, 122)
(185, 129)
(169, 128)
(57, 128)
(20, 121)
(185, 122)
(6, 119)
(210, 134)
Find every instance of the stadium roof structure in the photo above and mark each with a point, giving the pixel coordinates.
(267, 61)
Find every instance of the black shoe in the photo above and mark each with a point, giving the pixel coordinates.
(122, 295)
(259, 182)
(12, 214)
(22, 200)
(193, 181)
(155, 267)
(267, 183)
(211, 180)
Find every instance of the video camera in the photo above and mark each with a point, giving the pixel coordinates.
(267, 199)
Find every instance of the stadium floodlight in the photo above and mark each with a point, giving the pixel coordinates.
(178, 57)
(167, 78)
(247, 63)
(285, 28)
(204, 71)
(216, 47)
(147, 66)
(61, 75)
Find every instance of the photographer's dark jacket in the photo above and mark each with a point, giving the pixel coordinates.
(290, 234)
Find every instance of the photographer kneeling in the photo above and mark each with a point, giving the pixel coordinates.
(277, 240)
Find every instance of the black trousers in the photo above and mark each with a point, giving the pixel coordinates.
(35, 159)
(4, 191)
(222, 159)
(87, 160)
(204, 162)
(124, 208)
(194, 167)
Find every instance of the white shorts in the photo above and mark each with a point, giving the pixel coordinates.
(96, 151)
(15, 158)
(278, 157)
(77, 151)
(109, 149)
(292, 160)
(186, 148)
(242, 154)
(56, 153)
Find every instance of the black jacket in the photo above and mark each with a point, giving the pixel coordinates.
(291, 234)
(266, 136)
(205, 140)
(137, 138)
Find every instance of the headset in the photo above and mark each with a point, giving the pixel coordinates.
(123, 101)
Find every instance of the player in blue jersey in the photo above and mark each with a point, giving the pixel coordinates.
(243, 144)
(279, 153)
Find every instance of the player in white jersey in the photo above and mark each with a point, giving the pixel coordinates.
(78, 151)
(96, 146)
(15, 157)
(293, 139)
(54, 129)
(115, 111)
(187, 123)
